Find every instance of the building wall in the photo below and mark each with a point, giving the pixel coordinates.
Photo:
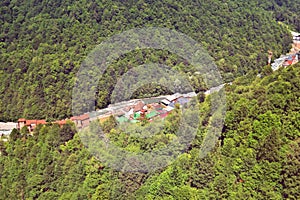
(21, 125)
(85, 122)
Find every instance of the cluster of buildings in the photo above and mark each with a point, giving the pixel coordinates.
(151, 109)
(285, 61)
(132, 111)
(291, 58)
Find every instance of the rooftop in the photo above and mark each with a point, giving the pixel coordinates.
(7, 126)
(61, 122)
(22, 120)
(152, 114)
(36, 122)
(173, 97)
(81, 117)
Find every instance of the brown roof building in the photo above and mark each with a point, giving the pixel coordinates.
(139, 106)
(81, 121)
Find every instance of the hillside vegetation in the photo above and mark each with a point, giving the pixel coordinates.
(257, 156)
(285, 11)
(43, 43)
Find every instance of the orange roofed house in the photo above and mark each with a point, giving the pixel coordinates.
(61, 123)
(81, 121)
(31, 124)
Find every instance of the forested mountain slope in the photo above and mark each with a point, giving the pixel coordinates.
(43, 43)
(287, 11)
(257, 156)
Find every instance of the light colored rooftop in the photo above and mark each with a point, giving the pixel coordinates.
(295, 33)
(8, 125)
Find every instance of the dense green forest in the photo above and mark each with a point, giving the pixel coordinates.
(256, 157)
(43, 43)
(285, 11)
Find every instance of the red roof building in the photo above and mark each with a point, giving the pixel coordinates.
(163, 115)
(61, 122)
(31, 124)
